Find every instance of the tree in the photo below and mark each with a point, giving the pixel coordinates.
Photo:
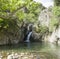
(10, 10)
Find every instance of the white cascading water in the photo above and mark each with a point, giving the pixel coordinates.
(28, 37)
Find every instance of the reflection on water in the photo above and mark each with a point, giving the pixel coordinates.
(33, 47)
(37, 46)
(28, 44)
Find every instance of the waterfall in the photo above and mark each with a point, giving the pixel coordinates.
(28, 37)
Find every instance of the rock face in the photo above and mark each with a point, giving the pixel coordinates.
(44, 17)
(9, 38)
(44, 20)
(13, 36)
(55, 36)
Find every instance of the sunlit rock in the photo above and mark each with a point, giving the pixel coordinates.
(16, 56)
(1, 56)
(44, 17)
(25, 58)
(22, 54)
(58, 32)
(55, 36)
(52, 38)
(9, 56)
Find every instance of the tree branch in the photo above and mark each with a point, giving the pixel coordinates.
(10, 15)
(2, 17)
(16, 10)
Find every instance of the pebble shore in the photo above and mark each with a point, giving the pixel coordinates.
(26, 55)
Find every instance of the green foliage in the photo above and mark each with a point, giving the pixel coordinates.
(10, 5)
(54, 22)
(57, 2)
(13, 10)
(30, 11)
(42, 29)
(56, 11)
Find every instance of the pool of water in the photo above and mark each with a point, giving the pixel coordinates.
(36, 47)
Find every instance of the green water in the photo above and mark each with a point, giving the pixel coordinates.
(51, 49)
